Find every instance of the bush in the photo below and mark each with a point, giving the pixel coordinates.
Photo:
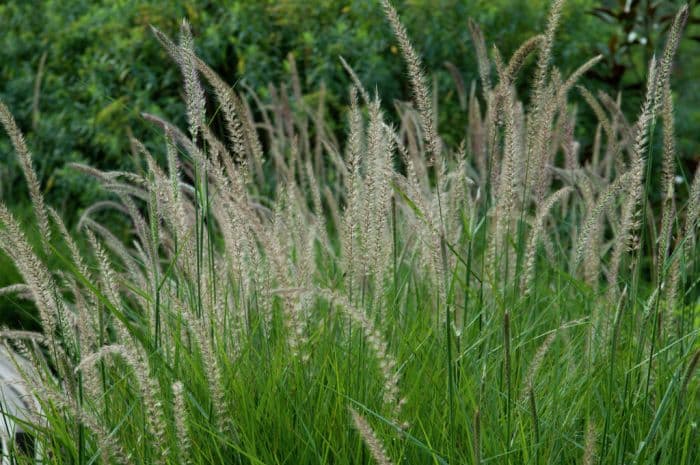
(102, 68)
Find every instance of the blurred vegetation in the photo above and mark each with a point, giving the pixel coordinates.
(78, 73)
(99, 66)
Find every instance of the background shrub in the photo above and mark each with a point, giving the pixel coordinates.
(100, 67)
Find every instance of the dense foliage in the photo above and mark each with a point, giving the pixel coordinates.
(79, 73)
(280, 296)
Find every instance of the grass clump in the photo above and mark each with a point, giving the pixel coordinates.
(298, 300)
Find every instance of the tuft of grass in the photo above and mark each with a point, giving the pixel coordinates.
(485, 303)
